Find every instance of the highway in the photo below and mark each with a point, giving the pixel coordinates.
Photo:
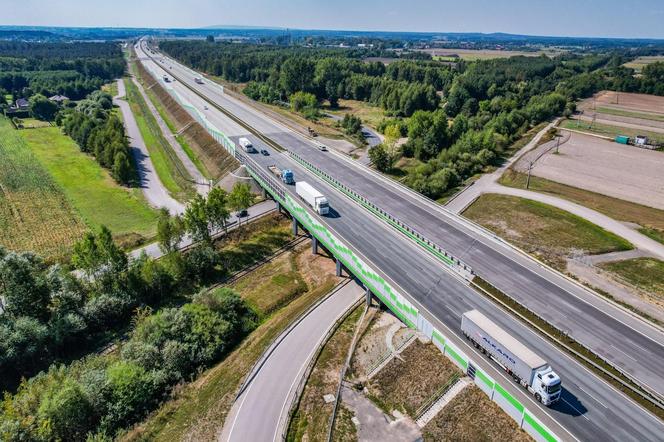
(433, 289)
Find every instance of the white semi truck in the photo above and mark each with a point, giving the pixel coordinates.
(312, 197)
(526, 367)
(246, 145)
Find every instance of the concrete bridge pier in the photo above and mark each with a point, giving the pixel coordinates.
(294, 226)
(314, 245)
(265, 194)
(278, 207)
(367, 295)
(339, 267)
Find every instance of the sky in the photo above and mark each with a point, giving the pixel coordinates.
(592, 18)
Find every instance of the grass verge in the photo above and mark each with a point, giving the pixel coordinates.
(650, 218)
(644, 273)
(549, 233)
(568, 345)
(633, 114)
(91, 189)
(170, 170)
(312, 415)
(608, 130)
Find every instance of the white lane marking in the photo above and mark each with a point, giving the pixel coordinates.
(616, 348)
(596, 400)
(574, 408)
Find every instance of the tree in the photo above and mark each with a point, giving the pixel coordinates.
(196, 220)
(380, 158)
(210, 38)
(170, 230)
(217, 208)
(22, 286)
(240, 197)
(98, 254)
(42, 108)
(122, 170)
(301, 101)
(297, 74)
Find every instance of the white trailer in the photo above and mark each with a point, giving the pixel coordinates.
(312, 197)
(246, 145)
(526, 367)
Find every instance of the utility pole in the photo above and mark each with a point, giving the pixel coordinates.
(530, 166)
(557, 142)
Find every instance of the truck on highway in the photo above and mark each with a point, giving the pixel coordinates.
(312, 197)
(526, 367)
(246, 145)
(285, 175)
(198, 80)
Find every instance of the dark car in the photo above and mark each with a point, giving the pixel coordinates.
(265, 152)
(242, 213)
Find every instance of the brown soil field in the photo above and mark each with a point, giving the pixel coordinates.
(627, 101)
(625, 172)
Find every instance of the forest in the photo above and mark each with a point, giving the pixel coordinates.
(458, 118)
(70, 69)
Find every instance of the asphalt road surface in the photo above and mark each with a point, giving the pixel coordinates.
(287, 362)
(153, 189)
(442, 297)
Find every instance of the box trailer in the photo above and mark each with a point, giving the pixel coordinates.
(311, 196)
(246, 145)
(526, 367)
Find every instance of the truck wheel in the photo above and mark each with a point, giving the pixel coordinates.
(538, 397)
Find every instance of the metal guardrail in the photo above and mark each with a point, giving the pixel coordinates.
(640, 389)
(455, 263)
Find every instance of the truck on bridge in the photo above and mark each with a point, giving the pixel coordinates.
(312, 197)
(527, 368)
(285, 175)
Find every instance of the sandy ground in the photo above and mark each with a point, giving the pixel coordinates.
(626, 101)
(608, 168)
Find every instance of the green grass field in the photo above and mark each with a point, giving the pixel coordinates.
(170, 170)
(89, 187)
(545, 231)
(35, 214)
(650, 218)
(644, 273)
(609, 130)
(633, 114)
(639, 63)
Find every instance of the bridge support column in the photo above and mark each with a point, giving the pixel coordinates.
(339, 267)
(278, 207)
(294, 226)
(367, 295)
(265, 194)
(314, 245)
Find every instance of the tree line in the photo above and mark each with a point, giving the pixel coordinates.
(275, 73)
(100, 133)
(70, 69)
(51, 316)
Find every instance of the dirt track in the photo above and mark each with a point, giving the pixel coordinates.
(625, 172)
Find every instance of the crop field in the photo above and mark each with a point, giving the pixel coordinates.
(34, 212)
(639, 63)
(90, 189)
(626, 101)
(452, 54)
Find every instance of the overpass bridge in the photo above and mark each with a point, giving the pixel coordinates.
(424, 290)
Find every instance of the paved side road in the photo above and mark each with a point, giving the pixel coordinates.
(489, 184)
(260, 413)
(152, 187)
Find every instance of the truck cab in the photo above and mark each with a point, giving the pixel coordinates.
(287, 176)
(546, 386)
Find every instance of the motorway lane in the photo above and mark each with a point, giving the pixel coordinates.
(418, 274)
(591, 320)
(446, 298)
(287, 362)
